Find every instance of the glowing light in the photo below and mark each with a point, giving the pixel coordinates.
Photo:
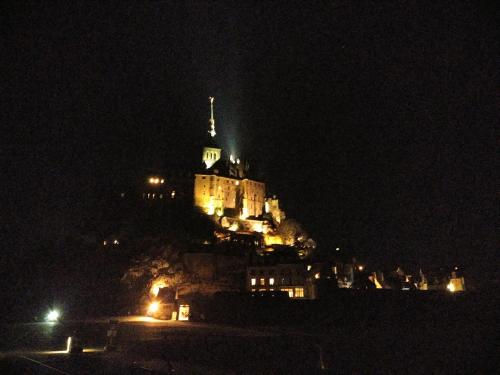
(450, 287)
(317, 275)
(244, 214)
(155, 290)
(309, 267)
(184, 312)
(361, 268)
(156, 180)
(253, 281)
(237, 183)
(271, 281)
(104, 242)
(233, 227)
(231, 159)
(52, 316)
(172, 195)
(68, 344)
(257, 227)
(238, 161)
(272, 240)
(153, 308)
(299, 292)
(116, 242)
(211, 206)
(337, 249)
(156, 286)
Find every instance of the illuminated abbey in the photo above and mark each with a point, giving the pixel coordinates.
(223, 188)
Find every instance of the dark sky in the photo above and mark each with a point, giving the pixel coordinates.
(373, 121)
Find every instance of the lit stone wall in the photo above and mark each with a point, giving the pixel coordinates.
(215, 193)
(253, 193)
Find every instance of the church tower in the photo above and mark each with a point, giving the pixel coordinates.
(211, 152)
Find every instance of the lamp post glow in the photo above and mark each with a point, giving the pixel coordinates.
(53, 316)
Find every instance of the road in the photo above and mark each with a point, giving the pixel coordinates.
(146, 345)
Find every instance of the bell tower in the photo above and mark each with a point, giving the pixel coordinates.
(211, 153)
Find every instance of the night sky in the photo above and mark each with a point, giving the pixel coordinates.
(372, 121)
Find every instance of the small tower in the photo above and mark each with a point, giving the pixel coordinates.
(211, 153)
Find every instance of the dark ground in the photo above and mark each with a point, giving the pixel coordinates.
(356, 334)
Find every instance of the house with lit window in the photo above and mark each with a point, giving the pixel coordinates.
(292, 278)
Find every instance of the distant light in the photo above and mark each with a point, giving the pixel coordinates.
(104, 242)
(271, 281)
(361, 268)
(172, 195)
(68, 344)
(53, 316)
(156, 180)
(238, 161)
(456, 268)
(253, 281)
(337, 249)
(153, 308)
(156, 290)
(450, 287)
(231, 159)
(116, 242)
(317, 275)
(309, 267)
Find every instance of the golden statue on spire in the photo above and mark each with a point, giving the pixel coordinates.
(212, 120)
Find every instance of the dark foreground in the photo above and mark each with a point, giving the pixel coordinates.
(451, 336)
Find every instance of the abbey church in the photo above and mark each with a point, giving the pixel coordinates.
(224, 188)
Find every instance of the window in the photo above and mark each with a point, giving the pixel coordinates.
(289, 290)
(271, 281)
(299, 292)
(253, 281)
(262, 281)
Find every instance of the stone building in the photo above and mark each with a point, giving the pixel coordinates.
(223, 186)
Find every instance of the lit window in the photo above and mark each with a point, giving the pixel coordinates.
(289, 290)
(173, 194)
(308, 267)
(262, 281)
(253, 281)
(271, 281)
(299, 292)
(104, 243)
(116, 242)
(317, 275)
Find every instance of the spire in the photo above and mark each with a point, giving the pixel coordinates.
(212, 120)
